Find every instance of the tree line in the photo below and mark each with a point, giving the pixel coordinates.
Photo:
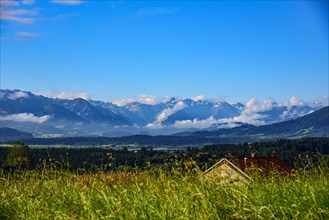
(297, 152)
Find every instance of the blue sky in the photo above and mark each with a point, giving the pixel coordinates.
(122, 49)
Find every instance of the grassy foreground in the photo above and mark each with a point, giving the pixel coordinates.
(62, 195)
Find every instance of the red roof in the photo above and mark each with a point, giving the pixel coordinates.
(264, 163)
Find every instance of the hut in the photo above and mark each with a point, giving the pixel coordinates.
(237, 169)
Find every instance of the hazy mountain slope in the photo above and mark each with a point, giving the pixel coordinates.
(314, 124)
(203, 109)
(144, 112)
(9, 134)
(37, 105)
(91, 113)
(284, 113)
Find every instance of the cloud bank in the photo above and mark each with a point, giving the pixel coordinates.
(199, 97)
(170, 111)
(165, 114)
(144, 99)
(196, 123)
(253, 113)
(294, 101)
(25, 117)
(65, 95)
(320, 102)
(18, 95)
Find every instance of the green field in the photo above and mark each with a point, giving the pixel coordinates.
(161, 195)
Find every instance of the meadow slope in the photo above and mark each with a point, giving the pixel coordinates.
(160, 195)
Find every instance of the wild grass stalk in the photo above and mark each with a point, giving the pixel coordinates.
(163, 195)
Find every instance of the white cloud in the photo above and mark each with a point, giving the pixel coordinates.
(165, 99)
(25, 117)
(15, 11)
(65, 95)
(144, 99)
(205, 123)
(251, 103)
(68, 2)
(324, 100)
(18, 95)
(246, 117)
(165, 114)
(250, 114)
(10, 17)
(293, 113)
(10, 11)
(153, 100)
(268, 104)
(294, 101)
(196, 123)
(154, 126)
(170, 111)
(199, 97)
(253, 106)
(320, 102)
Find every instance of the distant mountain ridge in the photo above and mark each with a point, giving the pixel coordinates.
(88, 112)
(313, 125)
(49, 117)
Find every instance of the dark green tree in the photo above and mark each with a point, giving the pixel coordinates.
(18, 156)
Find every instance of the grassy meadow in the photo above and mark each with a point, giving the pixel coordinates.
(161, 195)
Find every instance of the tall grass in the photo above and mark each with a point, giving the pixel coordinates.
(63, 195)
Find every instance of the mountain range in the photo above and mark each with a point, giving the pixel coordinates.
(315, 124)
(52, 117)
